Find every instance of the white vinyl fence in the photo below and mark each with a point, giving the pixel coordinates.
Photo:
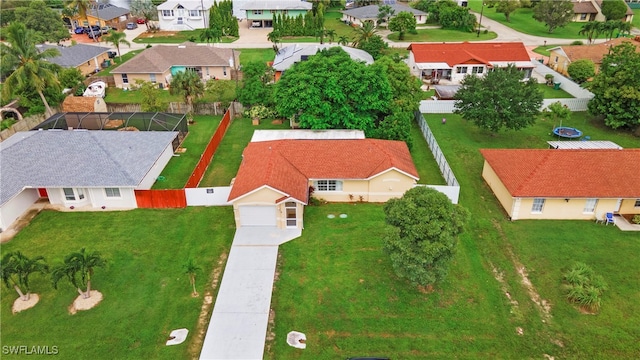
(208, 196)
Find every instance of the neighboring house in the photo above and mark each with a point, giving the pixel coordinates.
(274, 180)
(178, 15)
(289, 55)
(360, 15)
(454, 61)
(102, 14)
(159, 63)
(83, 104)
(86, 58)
(591, 10)
(564, 184)
(79, 169)
(259, 14)
(562, 56)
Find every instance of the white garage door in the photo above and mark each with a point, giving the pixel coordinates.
(257, 215)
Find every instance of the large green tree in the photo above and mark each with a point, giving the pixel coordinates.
(499, 100)
(222, 91)
(364, 32)
(617, 88)
(78, 268)
(151, 99)
(507, 7)
(257, 87)
(423, 240)
(374, 45)
(452, 16)
(332, 91)
(15, 270)
(31, 70)
(189, 85)
(581, 70)
(613, 9)
(554, 13)
(43, 20)
(402, 23)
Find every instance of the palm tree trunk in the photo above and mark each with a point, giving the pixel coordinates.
(88, 293)
(48, 110)
(23, 297)
(119, 55)
(193, 283)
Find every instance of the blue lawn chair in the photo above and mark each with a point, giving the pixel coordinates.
(609, 219)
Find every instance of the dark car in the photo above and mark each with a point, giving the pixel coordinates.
(111, 54)
(131, 26)
(78, 30)
(95, 28)
(95, 34)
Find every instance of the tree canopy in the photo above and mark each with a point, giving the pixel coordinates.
(332, 91)
(617, 88)
(614, 9)
(506, 7)
(45, 22)
(581, 70)
(554, 13)
(374, 45)
(402, 23)
(424, 236)
(256, 87)
(499, 100)
(189, 85)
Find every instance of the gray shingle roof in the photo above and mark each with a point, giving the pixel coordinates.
(78, 158)
(108, 11)
(73, 56)
(162, 57)
(290, 55)
(371, 11)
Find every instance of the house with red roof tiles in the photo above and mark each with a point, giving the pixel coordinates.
(454, 61)
(579, 184)
(277, 177)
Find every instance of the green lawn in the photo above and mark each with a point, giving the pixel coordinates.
(115, 62)
(437, 35)
(179, 168)
(121, 96)
(544, 50)
(423, 159)
(146, 293)
(522, 20)
(548, 92)
(636, 18)
(178, 38)
(252, 55)
(348, 302)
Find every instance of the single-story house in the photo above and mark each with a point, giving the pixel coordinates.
(578, 184)
(289, 55)
(277, 177)
(591, 10)
(86, 58)
(159, 63)
(561, 57)
(179, 15)
(102, 14)
(360, 15)
(79, 169)
(454, 61)
(259, 14)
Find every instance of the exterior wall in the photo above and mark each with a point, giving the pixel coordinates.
(15, 207)
(412, 65)
(268, 14)
(560, 209)
(421, 19)
(457, 77)
(188, 22)
(95, 198)
(90, 66)
(208, 72)
(156, 169)
(264, 196)
(498, 188)
(627, 207)
(56, 197)
(104, 22)
(559, 62)
(389, 185)
(587, 18)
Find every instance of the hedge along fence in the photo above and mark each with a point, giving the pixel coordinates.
(173, 107)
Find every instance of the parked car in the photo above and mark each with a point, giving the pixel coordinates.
(105, 30)
(95, 28)
(111, 54)
(131, 26)
(78, 30)
(94, 34)
(140, 21)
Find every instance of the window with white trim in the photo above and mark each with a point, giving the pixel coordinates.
(590, 206)
(637, 204)
(328, 185)
(69, 195)
(112, 192)
(167, 13)
(194, 13)
(477, 69)
(462, 69)
(583, 16)
(537, 206)
(125, 79)
(257, 12)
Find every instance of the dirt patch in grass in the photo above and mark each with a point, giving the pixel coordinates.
(21, 305)
(81, 304)
(145, 35)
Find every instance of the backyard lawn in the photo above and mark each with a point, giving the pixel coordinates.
(437, 35)
(253, 55)
(176, 174)
(548, 92)
(176, 37)
(337, 286)
(146, 292)
(121, 96)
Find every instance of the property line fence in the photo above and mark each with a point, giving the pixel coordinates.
(23, 125)
(172, 107)
(161, 199)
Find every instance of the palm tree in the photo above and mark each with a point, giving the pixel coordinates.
(82, 8)
(275, 38)
(608, 27)
(30, 67)
(117, 38)
(331, 34)
(210, 35)
(624, 28)
(190, 86)
(191, 269)
(343, 40)
(364, 32)
(78, 269)
(591, 30)
(15, 270)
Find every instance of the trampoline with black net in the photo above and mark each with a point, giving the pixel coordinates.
(120, 121)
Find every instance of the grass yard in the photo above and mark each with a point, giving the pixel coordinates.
(544, 50)
(120, 96)
(437, 35)
(179, 168)
(260, 55)
(423, 159)
(115, 62)
(636, 18)
(177, 37)
(548, 92)
(146, 293)
(522, 20)
(337, 286)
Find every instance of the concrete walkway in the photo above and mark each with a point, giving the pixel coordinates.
(238, 325)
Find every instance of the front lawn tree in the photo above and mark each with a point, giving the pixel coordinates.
(506, 7)
(499, 100)
(402, 23)
(15, 270)
(424, 236)
(191, 269)
(256, 87)
(78, 268)
(614, 9)
(554, 13)
(617, 88)
(189, 85)
(581, 70)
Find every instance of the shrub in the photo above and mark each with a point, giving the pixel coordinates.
(260, 112)
(584, 287)
(636, 219)
(577, 42)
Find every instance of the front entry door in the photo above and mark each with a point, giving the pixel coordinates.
(291, 212)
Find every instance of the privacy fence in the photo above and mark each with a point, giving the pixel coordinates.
(172, 107)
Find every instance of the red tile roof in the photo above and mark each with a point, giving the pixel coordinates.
(287, 165)
(593, 173)
(460, 53)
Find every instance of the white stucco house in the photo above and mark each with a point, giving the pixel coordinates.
(79, 169)
(179, 15)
